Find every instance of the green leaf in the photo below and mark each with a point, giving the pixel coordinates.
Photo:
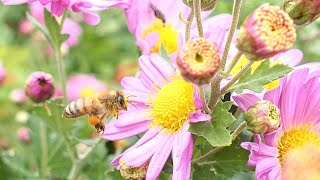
(244, 176)
(262, 76)
(114, 175)
(54, 29)
(164, 53)
(215, 131)
(225, 164)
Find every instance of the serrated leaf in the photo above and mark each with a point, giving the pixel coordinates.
(114, 175)
(215, 131)
(263, 75)
(53, 28)
(224, 164)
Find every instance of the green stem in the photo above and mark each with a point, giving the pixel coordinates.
(44, 150)
(215, 85)
(203, 97)
(234, 135)
(188, 26)
(60, 70)
(234, 23)
(233, 62)
(197, 11)
(236, 77)
(76, 166)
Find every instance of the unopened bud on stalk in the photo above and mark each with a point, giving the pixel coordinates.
(266, 32)
(206, 5)
(198, 61)
(133, 173)
(302, 12)
(263, 117)
(39, 86)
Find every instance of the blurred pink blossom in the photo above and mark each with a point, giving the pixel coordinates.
(83, 85)
(23, 134)
(3, 74)
(25, 27)
(18, 96)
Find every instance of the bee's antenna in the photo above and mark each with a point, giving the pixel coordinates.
(133, 104)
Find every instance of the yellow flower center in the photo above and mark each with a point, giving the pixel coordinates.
(87, 91)
(168, 36)
(172, 105)
(296, 138)
(243, 60)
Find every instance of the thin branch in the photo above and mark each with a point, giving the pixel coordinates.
(188, 26)
(197, 11)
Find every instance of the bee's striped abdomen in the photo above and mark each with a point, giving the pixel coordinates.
(79, 107)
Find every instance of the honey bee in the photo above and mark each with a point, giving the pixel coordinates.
(98, 107)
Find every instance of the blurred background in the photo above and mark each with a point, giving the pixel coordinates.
(108, 52)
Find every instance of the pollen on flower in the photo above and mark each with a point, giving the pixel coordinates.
(168, 36)
(85, 92)
(296, 138)
(172, 105)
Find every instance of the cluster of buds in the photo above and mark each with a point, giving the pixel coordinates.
(263, 117)
(39, 86)
(206, 5)
(198, 61)
(137, 173)
(302, 12)
(266, 32)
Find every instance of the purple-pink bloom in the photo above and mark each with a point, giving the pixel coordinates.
(3, 74)
(298, 100)
(39, 86)
(166, 104)
(83, 85)
(23, 134)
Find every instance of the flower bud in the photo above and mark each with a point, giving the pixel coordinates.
(266, 32)
(18, 96)
(3, 74)
(198, 61)
(206, 5)
(39, 86)
(133, 173)
(302, 12)
(263, 117)
(23, 134)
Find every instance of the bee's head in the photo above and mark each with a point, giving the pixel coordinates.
(121, 101)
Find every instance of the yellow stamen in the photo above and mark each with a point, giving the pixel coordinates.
(168, 36)
(296, 138)
(172, 105)
(86, 92)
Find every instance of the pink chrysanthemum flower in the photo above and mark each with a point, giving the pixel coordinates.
(83, 85)
(298, 100)
(39, 86)
(166, 104)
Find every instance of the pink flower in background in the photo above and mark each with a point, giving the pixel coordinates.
(25, 27)
(166, 104)
(155, 22)
(298, 99)
(18, 96)
(89, 8)
(23, 134)
(39, 86)
(3, 74)
(83, 85)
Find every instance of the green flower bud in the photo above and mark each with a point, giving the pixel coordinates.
(206, 5)
(302, 12)
(263, 117)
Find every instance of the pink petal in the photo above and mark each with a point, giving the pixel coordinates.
(16, 2)
(292, 57)
(148, 42)
(113, 133)
(130, 118)
(160, 157)
(140, 155)
(145, 138)
(198, 116)
(198, 102)
(245, 101)
(91, 18)
(133, 83)
(264, 168)
(181, 155)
